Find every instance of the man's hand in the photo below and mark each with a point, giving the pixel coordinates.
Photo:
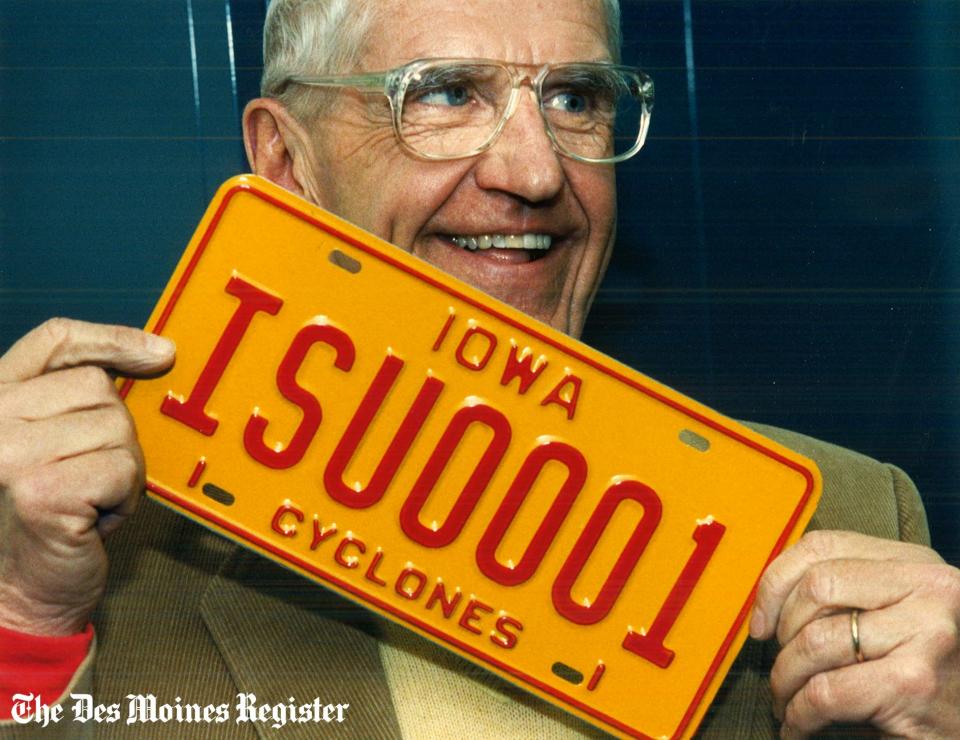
(71, 469)
(908, 602)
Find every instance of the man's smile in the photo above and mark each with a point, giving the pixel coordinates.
(476, 235)
(513, 248)
(527, 242)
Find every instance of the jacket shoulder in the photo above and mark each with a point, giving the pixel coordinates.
(860, 494)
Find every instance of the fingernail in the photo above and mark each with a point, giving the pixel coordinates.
(758, 623)
(160, 345)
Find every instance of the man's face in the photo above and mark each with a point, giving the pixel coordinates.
(519, 186)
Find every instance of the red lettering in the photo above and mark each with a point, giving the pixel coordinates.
(597, 675)
(522, 368)
(576, 466)
(584, 547)
(476, 362)
(401, 585)
(321, 533)
(353, 561)
(357, 429)
(474, 487)
(439, 596)
(286, 530)
(564, 398)
(650, 645)
(506, 638)
(444, 331)
(291, 390)
(197, 472)
(470, 615)
(371, 574)
(192, 411)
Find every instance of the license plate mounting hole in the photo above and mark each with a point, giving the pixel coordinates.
(345, 261)
(694, 440)
(567, 673)
(218, 494)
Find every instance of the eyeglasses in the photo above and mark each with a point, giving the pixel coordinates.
(455, 108)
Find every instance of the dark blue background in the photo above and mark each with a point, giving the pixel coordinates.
(789, 238)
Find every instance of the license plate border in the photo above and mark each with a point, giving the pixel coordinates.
(255, 186)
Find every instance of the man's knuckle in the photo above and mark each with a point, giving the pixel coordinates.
(127, 427)
(56, 330)
(943, 635)
(818, 543)
(131, 466)
(812, 640)
(819, 586)
(119, 421)
(129, 459)
(821, 694)
(945, 581)
(124, 435)
(59, 338)
(56, 335)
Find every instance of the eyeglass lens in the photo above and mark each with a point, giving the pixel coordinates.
(452, 109)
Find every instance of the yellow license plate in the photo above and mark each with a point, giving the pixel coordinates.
(396, 435)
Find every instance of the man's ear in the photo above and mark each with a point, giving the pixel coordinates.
(278, 147)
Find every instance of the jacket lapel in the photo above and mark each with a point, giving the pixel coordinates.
(282, 636)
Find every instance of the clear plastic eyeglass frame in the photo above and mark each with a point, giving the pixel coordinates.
(393, 84)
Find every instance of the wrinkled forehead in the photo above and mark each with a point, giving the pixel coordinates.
(521, 31)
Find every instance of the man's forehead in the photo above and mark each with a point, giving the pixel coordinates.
(524, 32)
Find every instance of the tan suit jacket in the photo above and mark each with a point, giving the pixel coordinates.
(191, 615)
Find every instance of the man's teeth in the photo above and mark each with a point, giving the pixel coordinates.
(504, 241)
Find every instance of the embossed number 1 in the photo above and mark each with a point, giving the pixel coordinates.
(650, 644)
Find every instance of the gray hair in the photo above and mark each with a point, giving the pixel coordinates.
(311, 37)
(321, 37)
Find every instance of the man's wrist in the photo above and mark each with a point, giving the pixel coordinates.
(25, 616)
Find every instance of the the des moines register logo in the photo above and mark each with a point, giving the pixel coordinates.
(148, 709)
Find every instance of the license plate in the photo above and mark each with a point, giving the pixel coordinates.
(382, 428)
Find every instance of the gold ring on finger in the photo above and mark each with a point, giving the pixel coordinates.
(855, 635)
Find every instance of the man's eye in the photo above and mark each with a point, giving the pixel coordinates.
(569, 102)
(451, 95)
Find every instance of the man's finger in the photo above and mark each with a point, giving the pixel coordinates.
(782, 576)
(61, 343)
(56, 393)
(839, 696)
(80, 489)
(62, 437)
(827, 643)
(841, 585)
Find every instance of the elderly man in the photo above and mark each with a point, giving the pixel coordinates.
(527, 214)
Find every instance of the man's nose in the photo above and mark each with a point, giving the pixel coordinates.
(522, 161)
